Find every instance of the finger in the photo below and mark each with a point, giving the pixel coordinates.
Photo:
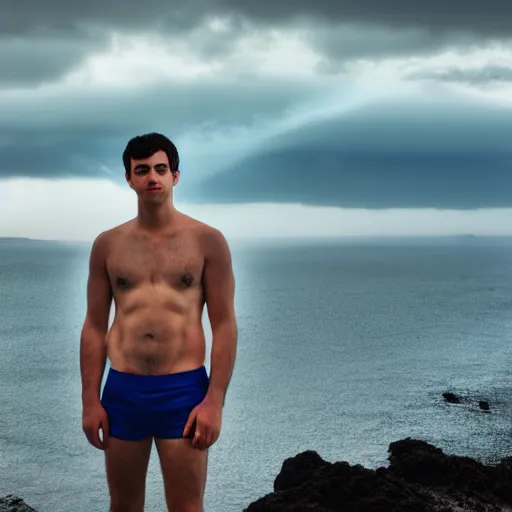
(208, 439)
(189, 430)
(207, 435)
(213, 439)
(97, 440)
(93, 437)
(198, 438)
(190, 421)
(104, 434)
(105, 427)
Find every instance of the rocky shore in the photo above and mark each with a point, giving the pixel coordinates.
(12, 503)
(419, 478)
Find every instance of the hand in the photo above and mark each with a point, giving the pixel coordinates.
(208, 419)
(94, 417)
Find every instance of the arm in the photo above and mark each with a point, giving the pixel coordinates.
(92, 340)
(219, 283)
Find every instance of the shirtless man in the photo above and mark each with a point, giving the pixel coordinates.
(160, 268)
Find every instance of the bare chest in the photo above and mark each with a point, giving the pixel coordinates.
(173, 261)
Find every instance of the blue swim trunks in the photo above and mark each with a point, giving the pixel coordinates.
(139, 406)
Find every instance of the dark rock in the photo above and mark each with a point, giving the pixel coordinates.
(11, 503)
(419, 478)
(296, 471)
(483, 405)
(451, 398)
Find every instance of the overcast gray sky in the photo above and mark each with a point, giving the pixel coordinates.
(362, 117)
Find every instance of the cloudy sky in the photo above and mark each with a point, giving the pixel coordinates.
(335, 118)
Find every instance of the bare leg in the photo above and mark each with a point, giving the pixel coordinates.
(184, 474)
(127, 465)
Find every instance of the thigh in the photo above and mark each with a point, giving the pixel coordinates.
(184, 473)
(127, 465)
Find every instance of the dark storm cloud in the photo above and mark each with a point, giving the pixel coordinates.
(26, 61)
(478, 76)
(436, 15)
(439, 156)
(493, 17)
(340, 44)
(399, 179)
(367, 42)
(339, 28)
(442, 152)
(77, 134)
(33, 17)
(41, 41)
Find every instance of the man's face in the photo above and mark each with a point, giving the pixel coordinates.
(151, 178)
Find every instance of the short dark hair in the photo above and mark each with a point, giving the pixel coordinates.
(146, 145)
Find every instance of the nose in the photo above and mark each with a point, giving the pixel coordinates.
(151, 178)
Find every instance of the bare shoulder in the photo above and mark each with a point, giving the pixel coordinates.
(212, 241)
(114, 232)
(103, 241)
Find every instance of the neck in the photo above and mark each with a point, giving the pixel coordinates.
(156, 217)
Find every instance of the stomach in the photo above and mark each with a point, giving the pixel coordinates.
(155, 340)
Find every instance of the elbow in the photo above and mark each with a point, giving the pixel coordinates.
(225, 327)
(95, 326)
(227, 321)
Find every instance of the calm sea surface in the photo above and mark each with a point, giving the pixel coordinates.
(344, 347)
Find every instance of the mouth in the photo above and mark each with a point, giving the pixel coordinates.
(154, 189)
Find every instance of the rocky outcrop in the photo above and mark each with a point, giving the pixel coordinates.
(419, 478)
(452, 398)
(484, 405)
(12, 503)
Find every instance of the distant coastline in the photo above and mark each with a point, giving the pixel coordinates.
(7, 239)
(293, 240)
(16, 239)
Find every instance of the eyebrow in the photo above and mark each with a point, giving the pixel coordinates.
(141, 167)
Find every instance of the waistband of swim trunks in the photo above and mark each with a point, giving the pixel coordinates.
(137, 379)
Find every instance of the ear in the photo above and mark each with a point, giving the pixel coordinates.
(176, 177)
(128, 179)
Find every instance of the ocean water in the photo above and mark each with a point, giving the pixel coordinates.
(344, 347)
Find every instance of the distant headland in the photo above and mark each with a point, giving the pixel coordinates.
(6, 239)
(16, 239)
